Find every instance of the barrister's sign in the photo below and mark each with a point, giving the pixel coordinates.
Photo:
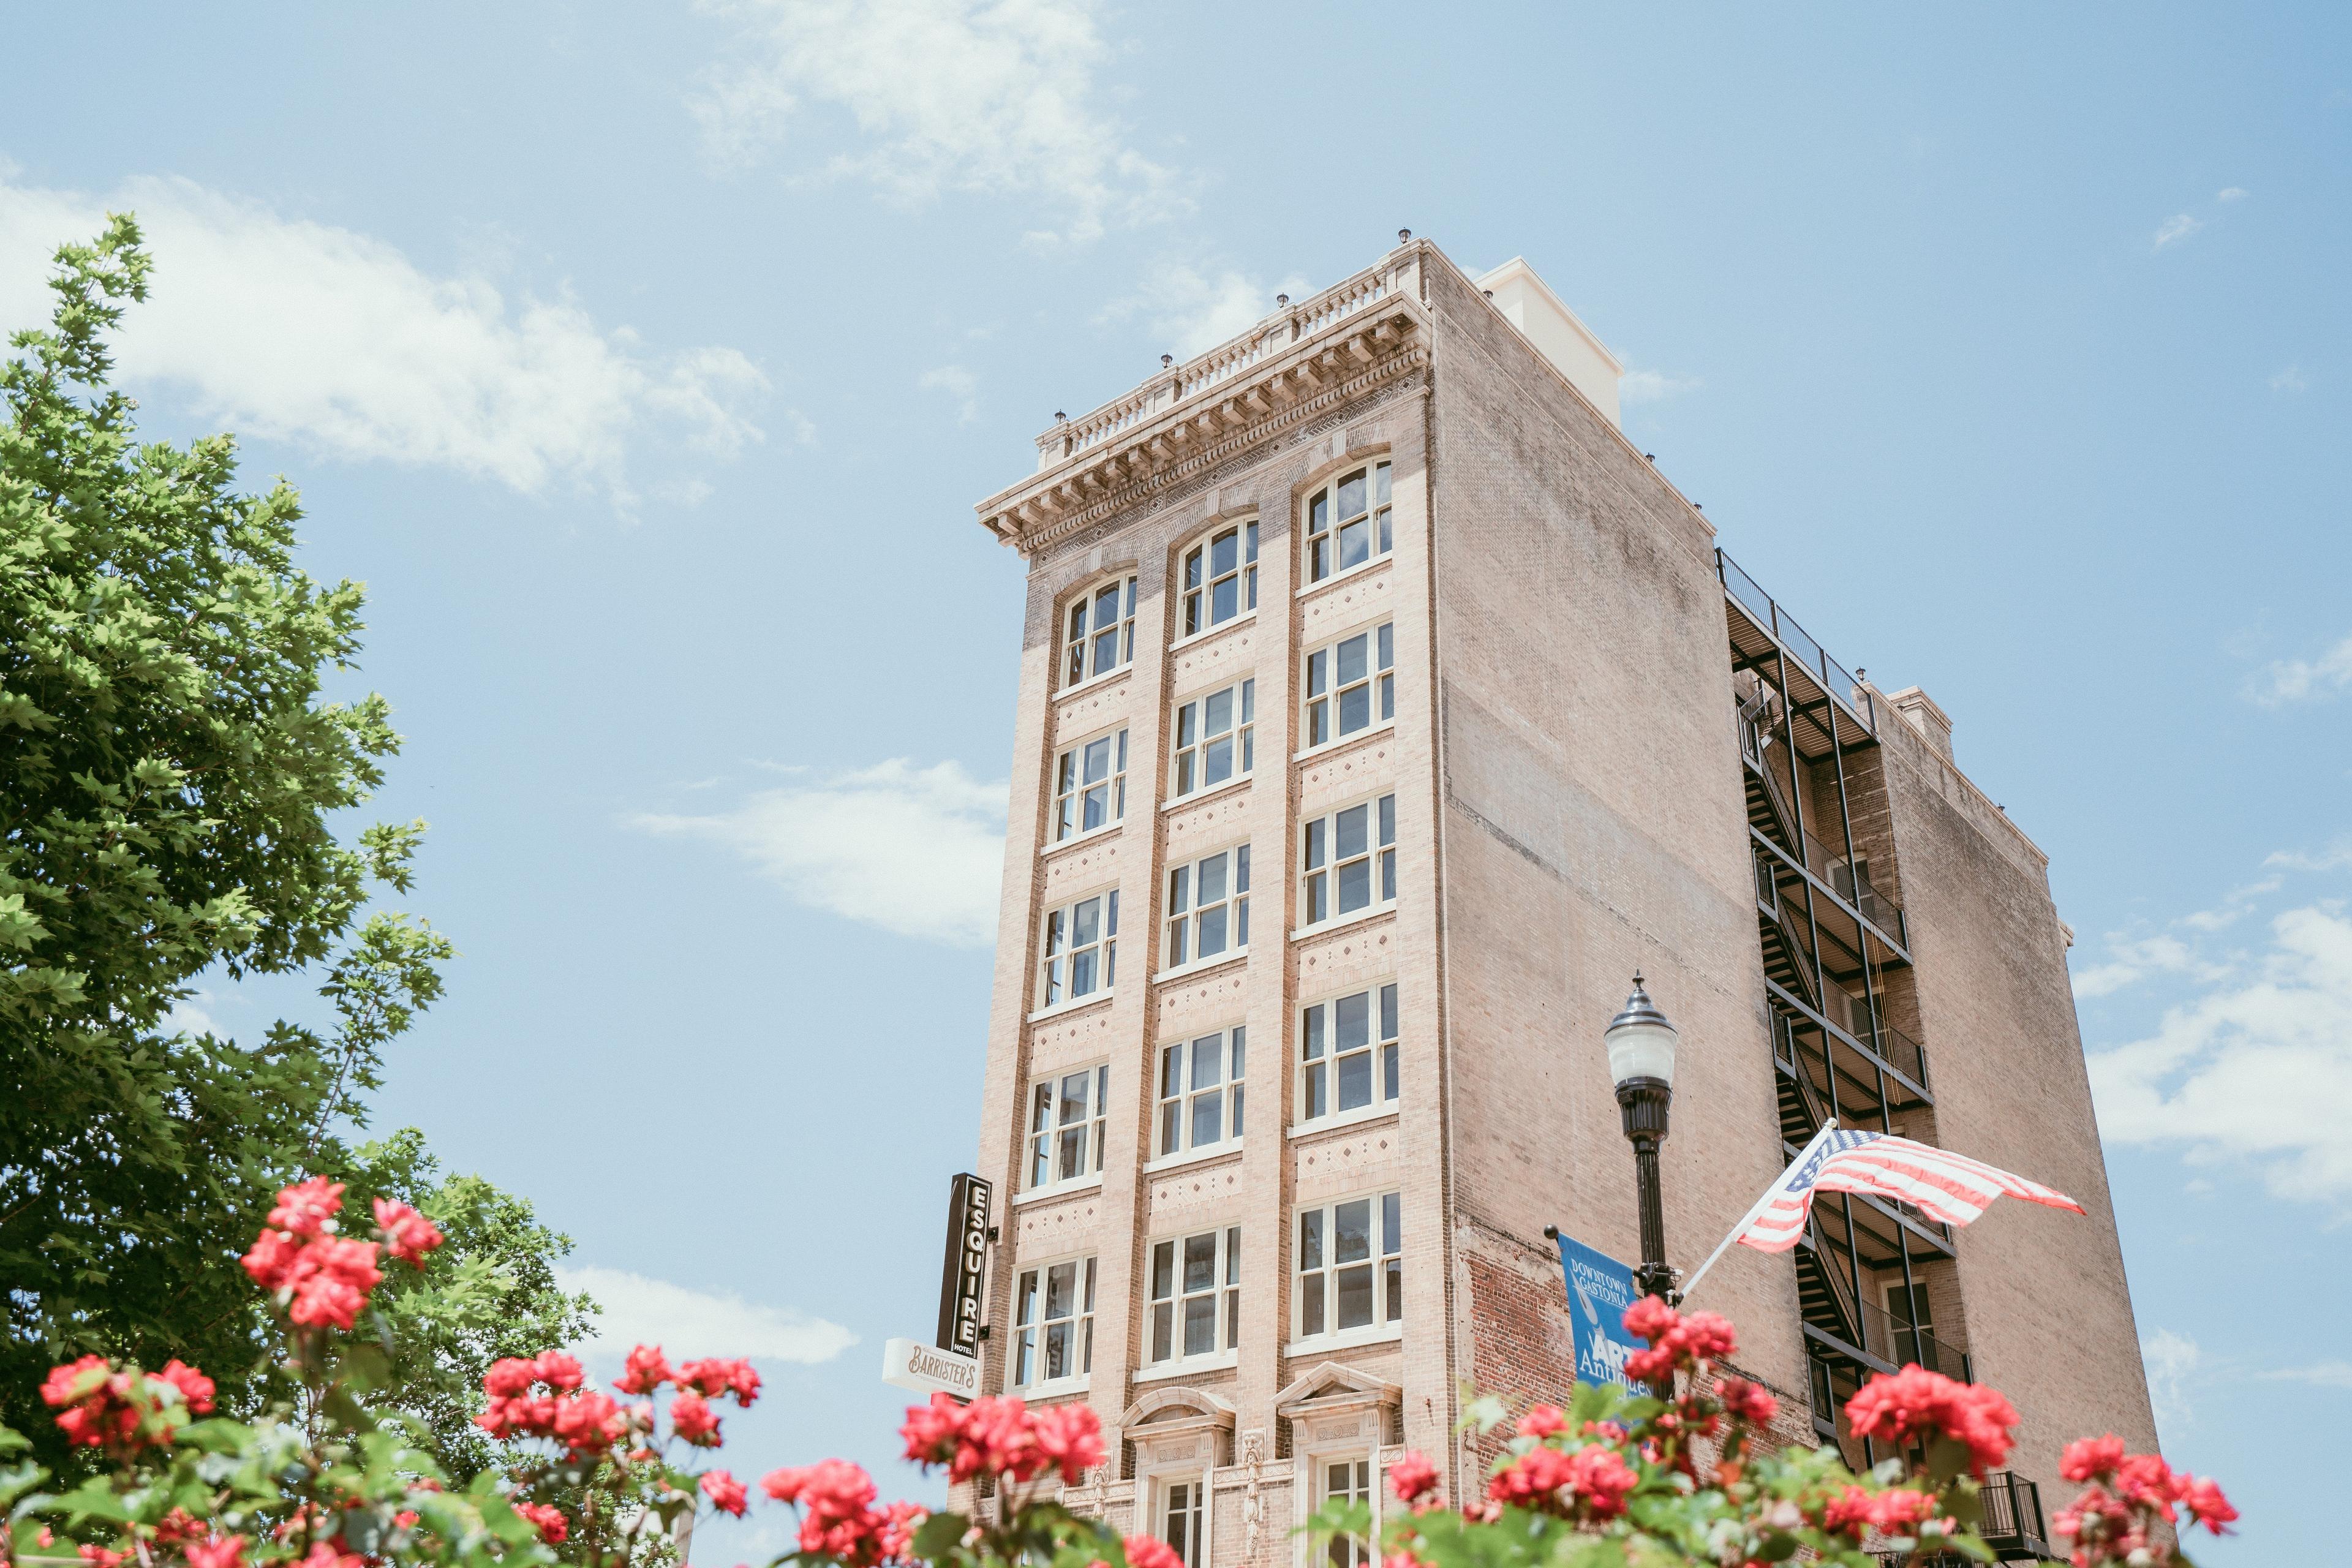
(966, 1264)
(926, 1369)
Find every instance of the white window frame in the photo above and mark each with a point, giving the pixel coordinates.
(1367, 1480)
(1320, 860)
(1385, 1264)
(1196, 582)
(1031, 1284)
(1223, 1295)
(1181, 920)
(1200, 1514)
(1052, 985)
(1045, 1143)
(1070, 787)
(1323, 525)
(1178, 1091)
(1322, 692)
(1080, 640)
(1190, 746)
(1319, 1054)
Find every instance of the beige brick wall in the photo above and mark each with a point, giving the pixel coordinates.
(1569, 808)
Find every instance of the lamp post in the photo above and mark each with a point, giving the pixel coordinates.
(1641, 1061)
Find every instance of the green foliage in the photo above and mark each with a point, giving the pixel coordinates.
(491, 1292)
(171, 774)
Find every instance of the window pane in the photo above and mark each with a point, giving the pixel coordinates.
(1388, 875)
(1234, 1256)
(1209, 938)
(1349, 656)
(1319, 515)
(1224, 602)
(1107, 650)
(1061, 1290)
(1352, 1021)
(1388, 1012)
(1057, 1351)
(1097, 760)
(1355, 1297)
(1355, 1080)
(1319, 724)
(1200, 1325)
(1310, 1239)
(1316, 899)
(1352, 1231)
(1217, 713)
(1041, 1112)
(1106, 605)
(1212, 879)
(1386, 684)
(1074, 1153)
(1349, 827)
(1097, 810)
(1351, 495)
(1355, 708)
(1172, 1071)
(1208, 1120)
(1163, 1270)
(1192, 567)
(1164, 1326)
(1394, 1287)
(1074, 1098)
(1311, 1304)
(1025, 1312)
(1085, 922)
(1391, 1218)
(1314, 1092)
(1171, 1127)
(1313, 843)
(1355, 543)
(1249, 545)
(1224, 552)
(1387, 650)
(1311, 1042)
(1178, 882)
(1388, 819)
(1082, 973)
(1380, 484)
(1216, 762)
(1208, 1061)
(1355, 886)
(1317, 667)
(1200, 1261)
(1388, 1072)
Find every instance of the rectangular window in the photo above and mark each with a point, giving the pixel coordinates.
(1347, 861)
(1180, 1518)
(1208, 907)
(1090, 786)
(1221, 578)
(1053, 1322)
(1099, 635)
(1201, 1083)
(1348, 523)
(1215, 739)
(1346, 1480)
(1348, 1053)
(1349, 686)
(1066, 1126)
(1196, 1296)
(1081, 950)
(1350, 1266)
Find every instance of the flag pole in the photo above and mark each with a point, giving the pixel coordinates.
(1756, 1208)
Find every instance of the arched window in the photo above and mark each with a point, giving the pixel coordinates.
(1348, 523)
(1221, 577)
(1099, 635)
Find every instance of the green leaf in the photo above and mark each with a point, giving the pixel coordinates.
(940, 1535)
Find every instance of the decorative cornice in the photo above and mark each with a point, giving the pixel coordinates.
(1344, 360)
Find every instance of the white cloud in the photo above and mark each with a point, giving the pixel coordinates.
(2169, 1360)
(2258, 1069)
(191, 1014)
(2231, 193)
(2176, 228)
(957, 383)
(692, 1323)
(1654, 386)
(335, 341)
(919, 851)
(2336, 857)
(2320, 1375)
(2291, 379)
(2289, 680)
(1193, 309)
(2130, 961)
(994, 97)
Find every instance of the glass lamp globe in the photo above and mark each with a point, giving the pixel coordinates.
(1640, 1041)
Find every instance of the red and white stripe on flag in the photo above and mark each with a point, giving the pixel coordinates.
(1938, 1183)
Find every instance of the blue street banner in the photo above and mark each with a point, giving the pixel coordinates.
(1599, 1288)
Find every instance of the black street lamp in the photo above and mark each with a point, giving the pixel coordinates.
(1642, 1061)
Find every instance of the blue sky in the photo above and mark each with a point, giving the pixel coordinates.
(645, 362)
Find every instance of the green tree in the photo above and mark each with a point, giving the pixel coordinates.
(171, 774)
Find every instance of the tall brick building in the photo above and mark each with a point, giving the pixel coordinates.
(1382, 711)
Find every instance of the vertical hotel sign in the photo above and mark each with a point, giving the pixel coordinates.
(967, 1262)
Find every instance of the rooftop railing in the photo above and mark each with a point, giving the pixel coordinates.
(1766, 613)
(1289, 324)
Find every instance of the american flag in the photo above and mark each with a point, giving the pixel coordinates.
(1938, 1183)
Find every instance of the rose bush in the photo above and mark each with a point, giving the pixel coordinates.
(1617, 1477)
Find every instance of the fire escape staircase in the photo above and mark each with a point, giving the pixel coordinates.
(1825, 1293)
